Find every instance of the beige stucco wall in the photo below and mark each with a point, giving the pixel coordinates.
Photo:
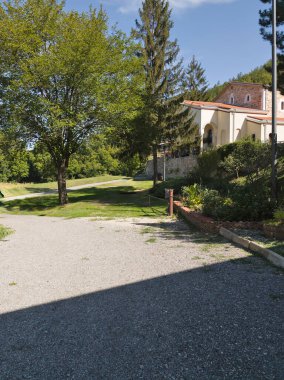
(254, 128)
(240, 126)
(267, 128)
(223, 128)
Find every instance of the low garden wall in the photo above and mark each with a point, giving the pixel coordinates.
(207, 224)
(276, 232)
(175, 167)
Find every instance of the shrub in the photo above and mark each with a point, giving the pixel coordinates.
(279, 214)
(246, 158)
(192, 196)
(208, 163)
(175, 183)
(216, 206)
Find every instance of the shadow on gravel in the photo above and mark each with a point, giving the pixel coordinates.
(179, 230)
(216, 322)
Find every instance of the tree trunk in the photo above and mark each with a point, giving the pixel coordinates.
(155, 165)
(61, 180)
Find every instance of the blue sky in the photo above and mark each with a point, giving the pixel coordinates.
(222, 34)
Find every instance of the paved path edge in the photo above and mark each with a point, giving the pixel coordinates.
(55, 191)
(271, 256)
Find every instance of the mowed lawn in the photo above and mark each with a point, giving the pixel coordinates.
(121, 199)
(14, 189)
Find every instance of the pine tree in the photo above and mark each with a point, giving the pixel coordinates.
(163, 115)
(196, 85)
(265, 22)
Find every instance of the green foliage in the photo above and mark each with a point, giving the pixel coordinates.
(4, 231)
(245, 203)
(192, 196)
(208, 163)
(279, 214)
(13, 158)
(95, 157)
(216, 206)
(63, 75)
(195, 83)
(265, 22)
(163, 90)
(175, 183)
(247, 158)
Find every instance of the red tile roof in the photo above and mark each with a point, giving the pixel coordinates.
(209, 105)
(268, 118)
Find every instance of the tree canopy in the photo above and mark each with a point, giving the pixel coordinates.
(62, 76)
(162, 116)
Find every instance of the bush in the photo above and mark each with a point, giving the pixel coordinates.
(245, 204)
(279, 214)
(216, 206)
(247, 158)
(192, 196)
(175, 183)
(208, 163)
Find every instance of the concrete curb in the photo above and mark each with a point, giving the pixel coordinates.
(271, 256)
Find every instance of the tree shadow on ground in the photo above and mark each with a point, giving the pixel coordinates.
(116, 195)
(41, 190)
(219, 323)
(181, 231)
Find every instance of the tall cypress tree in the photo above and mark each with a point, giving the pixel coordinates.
(265, 22)
(163, 115)
(196, 85)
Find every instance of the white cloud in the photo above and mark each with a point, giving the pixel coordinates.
(127, 6)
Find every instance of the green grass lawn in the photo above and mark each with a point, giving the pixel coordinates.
(122, 199)
(14, 189)
(4, 231)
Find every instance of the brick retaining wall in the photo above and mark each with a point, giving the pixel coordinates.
(207, 224)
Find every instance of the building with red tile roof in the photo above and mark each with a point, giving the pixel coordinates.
(241, 110)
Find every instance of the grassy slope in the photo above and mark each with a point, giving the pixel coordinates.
(13, 189)
(106, 201)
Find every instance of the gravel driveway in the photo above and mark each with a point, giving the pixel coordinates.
(134, 299)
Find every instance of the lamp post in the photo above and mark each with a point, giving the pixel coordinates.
(274, 105)
(163, 146)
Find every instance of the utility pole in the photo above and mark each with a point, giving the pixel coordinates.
(274, 105)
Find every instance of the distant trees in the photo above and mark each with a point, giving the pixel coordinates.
(62, 76)
(162, 116)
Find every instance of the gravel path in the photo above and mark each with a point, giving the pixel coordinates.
(134, 299)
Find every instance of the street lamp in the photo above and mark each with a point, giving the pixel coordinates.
(163, 146)
(274, 104)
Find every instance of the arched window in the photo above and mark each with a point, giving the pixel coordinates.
(282, 106)
(210, 137)
(232, 99)
(247, 98)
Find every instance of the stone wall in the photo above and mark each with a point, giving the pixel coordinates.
(280, 98)
(240, 92)
(175, 167)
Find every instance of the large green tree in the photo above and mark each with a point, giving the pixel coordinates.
(64, 76)
(265, 22)
(162, 116)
